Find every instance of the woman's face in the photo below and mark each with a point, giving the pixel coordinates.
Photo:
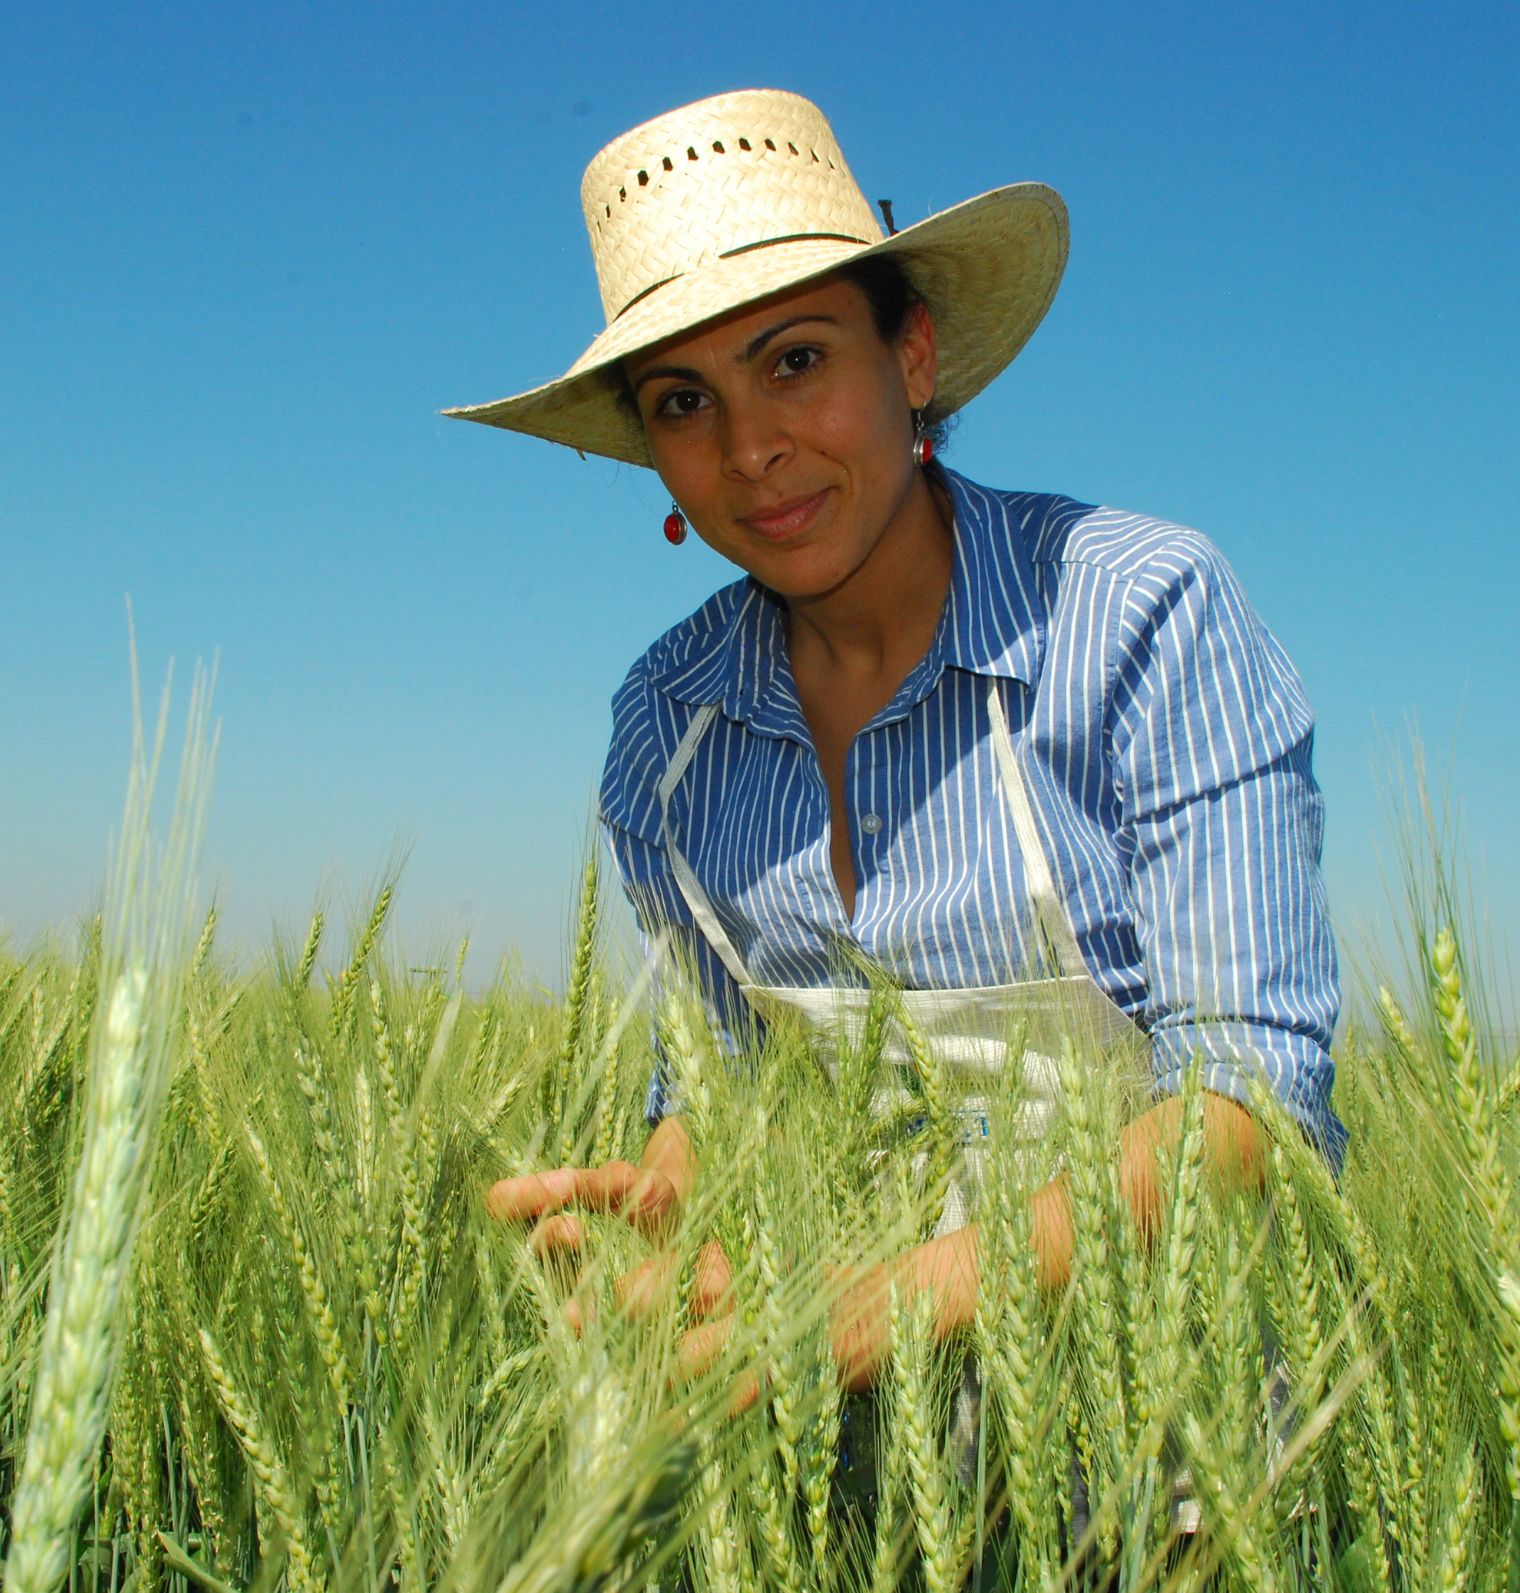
(784, 432)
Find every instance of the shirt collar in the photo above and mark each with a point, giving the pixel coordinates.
(994, 619)
(757, 678)
(993, 622)
(741, 664)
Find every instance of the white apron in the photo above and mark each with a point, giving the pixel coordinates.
(968, 1030)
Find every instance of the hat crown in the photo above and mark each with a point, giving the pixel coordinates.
(714, 179)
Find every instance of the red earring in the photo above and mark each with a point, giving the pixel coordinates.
(675, 525)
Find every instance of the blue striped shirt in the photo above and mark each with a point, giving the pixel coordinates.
(1166, 746)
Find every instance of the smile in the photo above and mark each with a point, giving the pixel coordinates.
(786, 519)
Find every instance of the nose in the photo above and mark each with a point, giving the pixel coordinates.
(754, 441)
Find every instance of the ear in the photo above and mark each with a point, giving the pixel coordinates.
(918, 356)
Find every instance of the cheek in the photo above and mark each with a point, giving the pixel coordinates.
(684, 470)
(869, 414)
(871, 435)
(832, 424)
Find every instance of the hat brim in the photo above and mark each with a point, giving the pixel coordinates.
(987, 269)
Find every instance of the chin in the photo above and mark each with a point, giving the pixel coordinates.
(800, 585)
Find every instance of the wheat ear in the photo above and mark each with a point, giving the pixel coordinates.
(320, 1316)
(578, 1013)
(1009, 1335)
(126, 1083)
(71, 1394)
(348, 980)
(1480, 1131)
(1456, 1564)
(1093, 1199)
(411, 1256)
(912, 1332)
(942, 1127)
(308, 958)
(272, 1482)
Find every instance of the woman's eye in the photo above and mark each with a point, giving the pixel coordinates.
(680, 402)
(799, 361)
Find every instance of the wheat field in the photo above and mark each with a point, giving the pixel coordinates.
(258, 1330)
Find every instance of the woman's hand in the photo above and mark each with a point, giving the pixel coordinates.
(860, 1317)
(648, 1196)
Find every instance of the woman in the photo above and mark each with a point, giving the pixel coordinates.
(949, 731)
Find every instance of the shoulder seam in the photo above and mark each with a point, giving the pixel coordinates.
(1162, 535)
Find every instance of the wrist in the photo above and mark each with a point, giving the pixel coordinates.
(947, 1268)
(1050, 1222)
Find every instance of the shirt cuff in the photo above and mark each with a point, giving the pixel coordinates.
(1238, 1057)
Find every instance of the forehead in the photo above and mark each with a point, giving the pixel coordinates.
(730, 335)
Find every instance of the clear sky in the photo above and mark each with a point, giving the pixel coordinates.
(248, 252)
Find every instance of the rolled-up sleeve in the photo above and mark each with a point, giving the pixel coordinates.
(1211, 742)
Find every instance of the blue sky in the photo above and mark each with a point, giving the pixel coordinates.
(249, 252)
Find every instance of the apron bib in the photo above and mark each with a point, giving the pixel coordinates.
(968, 1030)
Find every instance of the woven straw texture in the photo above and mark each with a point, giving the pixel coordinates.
(711, 207)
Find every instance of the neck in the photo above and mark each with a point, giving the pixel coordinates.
(884, 615)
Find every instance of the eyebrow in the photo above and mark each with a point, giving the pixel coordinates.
(757, 344)
(755, 347)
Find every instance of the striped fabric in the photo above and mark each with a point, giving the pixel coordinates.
(1165, 741)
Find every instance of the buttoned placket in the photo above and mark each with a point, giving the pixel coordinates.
(870, 821)
(871, 812)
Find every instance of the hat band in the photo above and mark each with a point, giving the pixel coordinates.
(745, 248)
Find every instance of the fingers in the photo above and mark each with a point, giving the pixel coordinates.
(712, 1281)
(701, 1347)
(558, 1233)
(746, 1392)
(579, 1313)
(699, 1351)
(645, 1198)
(641, 1288)
(513, 1199)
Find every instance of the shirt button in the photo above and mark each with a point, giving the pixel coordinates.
(870, 823)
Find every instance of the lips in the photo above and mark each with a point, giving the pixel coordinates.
(777, 522)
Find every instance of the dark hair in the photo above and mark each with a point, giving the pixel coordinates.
(889, 291)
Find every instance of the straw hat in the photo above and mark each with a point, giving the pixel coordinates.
(718, 204)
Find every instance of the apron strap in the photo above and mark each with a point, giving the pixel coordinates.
(697, 899)
(1049, 907)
